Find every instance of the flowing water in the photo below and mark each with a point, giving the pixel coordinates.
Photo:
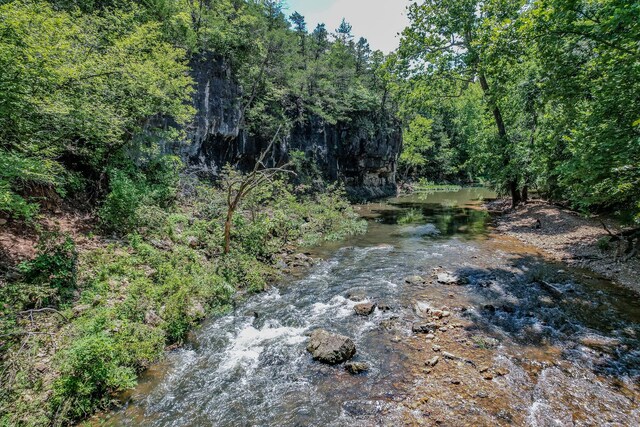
(528, 342)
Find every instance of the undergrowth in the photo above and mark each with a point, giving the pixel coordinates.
(112, 309)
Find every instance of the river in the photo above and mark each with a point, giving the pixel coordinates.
(524, 341)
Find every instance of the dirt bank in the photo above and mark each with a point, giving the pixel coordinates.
(569, 237)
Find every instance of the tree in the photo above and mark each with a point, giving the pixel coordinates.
(363, 51)
(300, 27)
(443, 46)
(58, 69)
(320, 40)
(343, 32)
(238, 186)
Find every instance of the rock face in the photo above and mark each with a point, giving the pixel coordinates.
(330, 348)
(361, 153)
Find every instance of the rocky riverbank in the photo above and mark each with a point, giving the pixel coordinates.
(569, 237)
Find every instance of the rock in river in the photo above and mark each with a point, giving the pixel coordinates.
(448, 279)
(330, 348)
(364, 309)
(356, 367)
(414, 280)
(423, 328)
(433, 361)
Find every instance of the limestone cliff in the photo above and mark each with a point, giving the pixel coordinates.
(361, 153)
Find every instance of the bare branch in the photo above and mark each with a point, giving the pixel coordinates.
(43, 310)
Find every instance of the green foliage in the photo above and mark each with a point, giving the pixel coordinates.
(47, 280)
(86, 92)
(121, 205)
(136, 189)
(89, 370)
(538, 94)
(604, 243)
(75, 88)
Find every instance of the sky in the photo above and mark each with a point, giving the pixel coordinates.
(379, 21)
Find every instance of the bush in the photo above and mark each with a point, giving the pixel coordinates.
(118, 212)
(89, 372)
(50, 278)
(137, 192)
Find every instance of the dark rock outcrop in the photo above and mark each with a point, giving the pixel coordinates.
(362, 153)
(330, 348)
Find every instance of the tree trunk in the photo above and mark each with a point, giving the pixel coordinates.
(497, 115)
(525, 194)
(512, 184)
(227, 232)
(516, 197)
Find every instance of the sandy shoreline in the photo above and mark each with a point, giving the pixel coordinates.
(567, 236)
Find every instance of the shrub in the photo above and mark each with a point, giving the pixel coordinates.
(118, 212)
(50, 277)
(89, 372)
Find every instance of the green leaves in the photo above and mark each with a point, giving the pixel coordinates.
(564, 76)
(77, 87)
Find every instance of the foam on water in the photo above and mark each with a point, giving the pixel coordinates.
(245, 348)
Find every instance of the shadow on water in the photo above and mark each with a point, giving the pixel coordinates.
(559, 346)
(535, 302)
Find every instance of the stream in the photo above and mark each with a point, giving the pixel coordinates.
(524, 341)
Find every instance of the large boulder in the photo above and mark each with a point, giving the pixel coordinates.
(330, 348)
(364, 309)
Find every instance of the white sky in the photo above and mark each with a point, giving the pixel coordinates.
(379, 21)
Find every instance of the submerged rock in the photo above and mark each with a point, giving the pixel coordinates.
(356, 367)
(604, 344)
(330, 348)
(414, 280)
(422, 309)
(383, 306)
(356, 296)
(364, 309)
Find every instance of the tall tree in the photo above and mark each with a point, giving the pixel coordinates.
(443, 45)
(300, 27)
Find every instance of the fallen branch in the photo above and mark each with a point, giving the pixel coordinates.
(43, 310)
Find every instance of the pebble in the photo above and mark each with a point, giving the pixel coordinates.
(436, 348)
(455, 381)
(483, 369)
(482, 394)
(502, 371)
(443, 329)
(448, 355)
(488, 376)
(433, 361)
(356, 367)
(438, 314)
